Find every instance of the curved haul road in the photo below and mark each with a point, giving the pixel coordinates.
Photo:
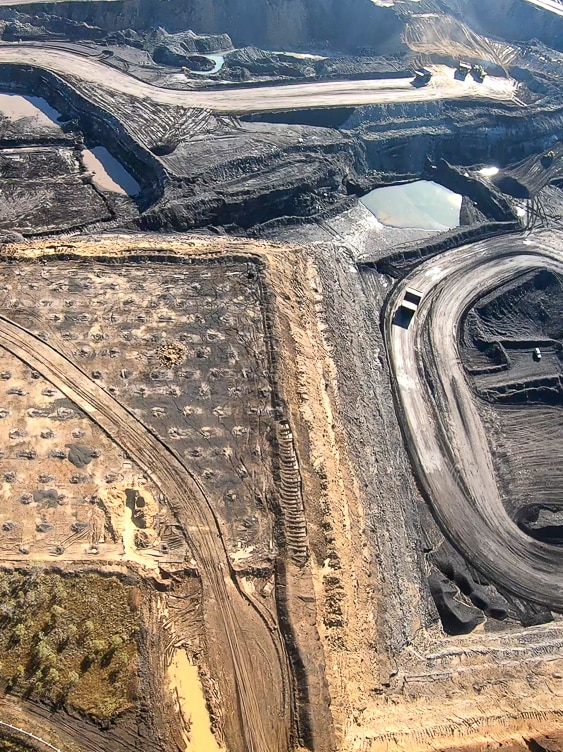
(246, 655)
(259, 98)
(439, 413)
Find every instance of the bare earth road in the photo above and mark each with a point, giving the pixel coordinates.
(444, 431)
(263, 98)
(246, 655)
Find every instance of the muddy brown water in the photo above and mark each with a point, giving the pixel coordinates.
(108, 173)
(16, 107)
(185, 683)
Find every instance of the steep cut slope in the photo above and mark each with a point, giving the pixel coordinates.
(289, 24)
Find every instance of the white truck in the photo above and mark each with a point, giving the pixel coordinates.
(411, 300)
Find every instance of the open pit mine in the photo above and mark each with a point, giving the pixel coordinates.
(281, 375)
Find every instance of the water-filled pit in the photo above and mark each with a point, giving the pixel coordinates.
(219, 61)
(109, 174)
(17, 107)
(423, 205)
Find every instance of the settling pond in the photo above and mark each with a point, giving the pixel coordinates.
(107, 172)
(218, 60)
(15, 107)
(423, 205)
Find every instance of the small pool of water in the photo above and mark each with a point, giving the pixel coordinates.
(108, 173)
(219, 61)
(489, 172)
(16, 107)
(300, 55)
(423, 205)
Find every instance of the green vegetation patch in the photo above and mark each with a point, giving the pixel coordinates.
(70, 640)
(10, 744)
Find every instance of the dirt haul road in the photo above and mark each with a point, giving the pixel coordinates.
(439, 412)
(246, 655)
(262, 98)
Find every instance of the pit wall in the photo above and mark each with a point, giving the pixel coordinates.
(289, 24)
(514, 20)
(97, 125)
(402, 137)
(305, 24)
(403, 260)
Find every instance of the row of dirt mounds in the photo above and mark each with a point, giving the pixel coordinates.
(184, 348)
(182, 352)
(228, 611)
(62, 481)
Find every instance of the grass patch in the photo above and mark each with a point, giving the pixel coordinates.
(70, 640)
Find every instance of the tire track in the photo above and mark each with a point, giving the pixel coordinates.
(246, 656)
(260, 98)
(440, 418)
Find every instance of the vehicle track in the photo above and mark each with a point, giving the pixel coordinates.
(246, 656)
(241, 100)
(440, 417)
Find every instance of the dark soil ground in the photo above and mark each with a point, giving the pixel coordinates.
(184, 348)
(500, 334)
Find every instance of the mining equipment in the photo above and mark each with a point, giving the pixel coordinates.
(411, 300)
(547, 159)
(463, 69)
(422, 76)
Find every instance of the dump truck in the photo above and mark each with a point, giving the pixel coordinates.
(411, 300)
(463, 69)
(478, 73)
(422, 76)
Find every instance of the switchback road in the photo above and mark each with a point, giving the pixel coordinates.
(246, 655)
(441, 420)
(261, 98)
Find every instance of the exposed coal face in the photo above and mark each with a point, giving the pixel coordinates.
(513, 342)
(543, 522)
(512, 346)
(324, 118)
